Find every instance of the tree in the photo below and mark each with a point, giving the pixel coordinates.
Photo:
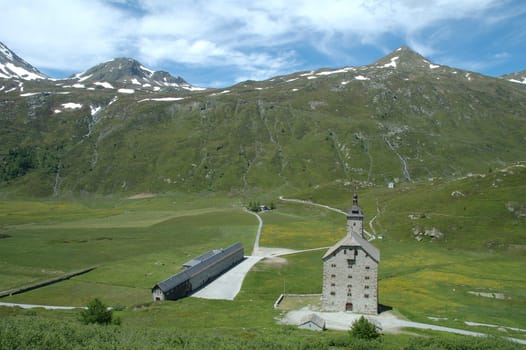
(363, 329)
(96, 312)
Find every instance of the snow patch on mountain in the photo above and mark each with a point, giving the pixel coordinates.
(361, 77)
(126, 91)
(220, 93)
(193, 88)
(338, 71)
(85, 78)
(392, 63)
(9, 70)
(12, 66)
(518, 81)
(161, 99)
(71, 105)
(104, 84)
(433, 66)
(147, 70)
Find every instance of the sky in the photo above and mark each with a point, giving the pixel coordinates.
(217, 43)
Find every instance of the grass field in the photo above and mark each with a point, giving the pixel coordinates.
(136, 243)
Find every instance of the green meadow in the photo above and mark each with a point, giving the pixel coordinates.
(135, 243)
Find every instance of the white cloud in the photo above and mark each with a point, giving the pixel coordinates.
(58, 34)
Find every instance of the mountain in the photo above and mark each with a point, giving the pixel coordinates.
(129, 73)
(124, 74)
(519, 77)
(401, 119)
(13, 67)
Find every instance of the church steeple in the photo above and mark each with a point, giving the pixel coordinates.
(355, 218)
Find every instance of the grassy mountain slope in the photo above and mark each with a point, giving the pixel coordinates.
(399, 119)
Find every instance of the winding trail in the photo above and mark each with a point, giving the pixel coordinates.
(370, 236)
(255, 249)
(292, 200)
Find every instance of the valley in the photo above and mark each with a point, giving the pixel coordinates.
(429, 281)
(134, 172)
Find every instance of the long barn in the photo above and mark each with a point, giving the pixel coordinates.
(198, 272)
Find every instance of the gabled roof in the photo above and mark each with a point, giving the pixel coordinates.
(315, 319)
(201, 258)
(203, 262)
(354, 240)
(173, 281)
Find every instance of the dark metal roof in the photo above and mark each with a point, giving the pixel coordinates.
(354, 240)
(208, 260)
(172, 282)
(201, 258)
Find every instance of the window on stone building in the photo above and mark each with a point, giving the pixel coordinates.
(367, 267)
(366, 287)
(349, 294)
(366, 277)
(349, 286)
(333, 265)
(333, 275)
(333, 293)
(366, 296)
(349, 276)
(351, 262)
(333, 284)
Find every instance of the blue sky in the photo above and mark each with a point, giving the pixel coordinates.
(219, 43)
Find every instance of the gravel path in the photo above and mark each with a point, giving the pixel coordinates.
(226, 286)
(339, 211)
(47, 307)
(388, 322)
(258, 233)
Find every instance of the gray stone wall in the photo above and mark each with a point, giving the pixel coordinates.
(355, 226)
(350, 276)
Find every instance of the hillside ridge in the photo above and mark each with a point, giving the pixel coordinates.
(399, 119)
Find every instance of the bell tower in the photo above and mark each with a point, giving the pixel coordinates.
(355, 219)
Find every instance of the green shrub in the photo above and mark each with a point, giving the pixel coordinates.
(463, 343)
(363, 329)
(96, 312)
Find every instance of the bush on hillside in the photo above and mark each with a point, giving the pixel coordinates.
(363, 329)
(97, 312)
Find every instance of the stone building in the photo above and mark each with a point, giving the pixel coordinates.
(350, 270)
(198, 272)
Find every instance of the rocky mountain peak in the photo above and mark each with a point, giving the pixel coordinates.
(404, 57)
(127, 72)
(14, 67)
(518, 77)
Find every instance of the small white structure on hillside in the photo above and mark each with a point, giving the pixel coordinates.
(312, 322)
(350, 270)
